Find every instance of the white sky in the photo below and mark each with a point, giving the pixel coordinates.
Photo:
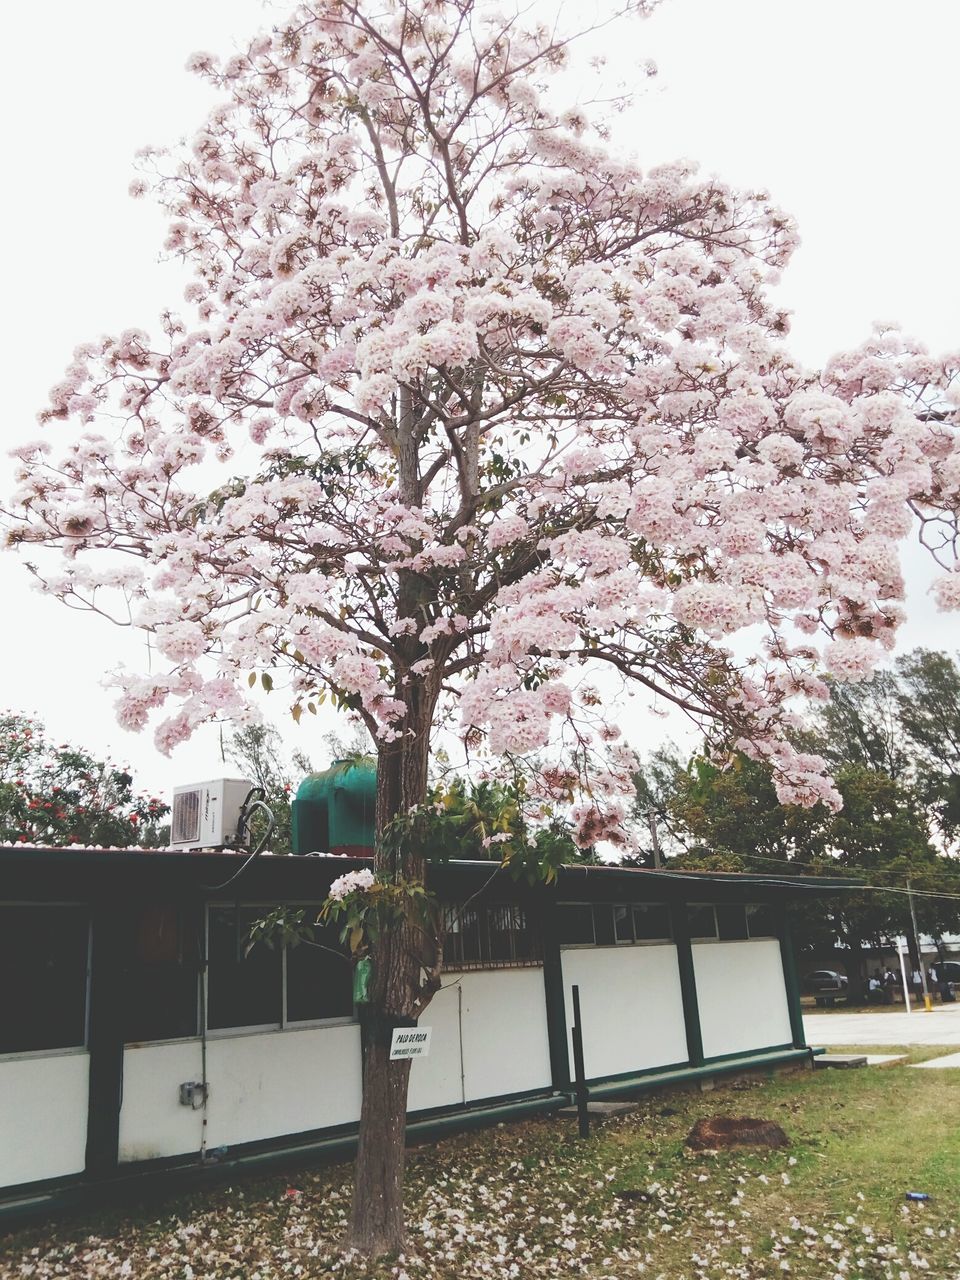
(844, 109)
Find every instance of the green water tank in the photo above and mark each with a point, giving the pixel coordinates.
(334, 811)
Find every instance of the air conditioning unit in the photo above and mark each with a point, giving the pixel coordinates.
(206, 815)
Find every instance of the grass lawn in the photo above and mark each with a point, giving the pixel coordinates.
(531, 1200)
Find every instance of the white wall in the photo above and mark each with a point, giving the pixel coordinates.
(631, 1007)
(152, 1122)
(261, 1086)
(436, 1081)
(43, 1116)
(282, 1082)
(491, 1026)
(742, 996)
(286, 1082)
(506, 1047)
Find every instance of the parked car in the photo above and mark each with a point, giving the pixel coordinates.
(825, 985)
(948, 969)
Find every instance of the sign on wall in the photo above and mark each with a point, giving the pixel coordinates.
(410, 1042)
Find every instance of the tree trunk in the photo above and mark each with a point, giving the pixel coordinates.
(377, 1225)
(377, 1221)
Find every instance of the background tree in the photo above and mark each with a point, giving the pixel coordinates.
(882, 835)
(928, 714)
(906, 723)
(729, 819)
(861, 724)
(485, 820)
(60, 795)
(654, 784)
(257, 750)
(510, 414)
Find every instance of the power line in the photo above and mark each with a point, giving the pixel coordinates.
(864, 886)
(916, 893)
(797, 862)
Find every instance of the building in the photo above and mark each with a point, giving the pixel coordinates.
(137, 1034)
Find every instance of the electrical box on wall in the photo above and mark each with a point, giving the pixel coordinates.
(193, 1094)
(206, 815)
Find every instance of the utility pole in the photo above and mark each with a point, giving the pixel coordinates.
(927, 1000)
(654, 838)
(903, 975)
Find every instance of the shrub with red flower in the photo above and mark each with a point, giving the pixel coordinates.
(60, 795)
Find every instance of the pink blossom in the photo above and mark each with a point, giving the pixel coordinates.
(181, 641)
(505, 530)
(852, 659)
(946, 592)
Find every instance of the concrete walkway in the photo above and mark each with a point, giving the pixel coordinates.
(940, 1026)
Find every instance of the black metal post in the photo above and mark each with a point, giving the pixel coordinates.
(791, 981)
(688, 985)
(546, 904)
(583, 1115)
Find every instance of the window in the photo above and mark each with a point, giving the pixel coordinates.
(726, 921)
(461, 944)
(623, 923)
(319, 977)
(244, 989)
(762, 920)
(43, 978)
(498, 935)
(603, 930)
(511, 937)
(702, 921)
(575, 924)
(651, 922)
(732, 922)
(162, 967)
(606, 924)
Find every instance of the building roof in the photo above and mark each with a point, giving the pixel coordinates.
(82, 873)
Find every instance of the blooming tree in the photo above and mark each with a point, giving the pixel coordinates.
(464, 409)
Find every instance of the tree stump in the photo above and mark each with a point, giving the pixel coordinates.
(735, 1131)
